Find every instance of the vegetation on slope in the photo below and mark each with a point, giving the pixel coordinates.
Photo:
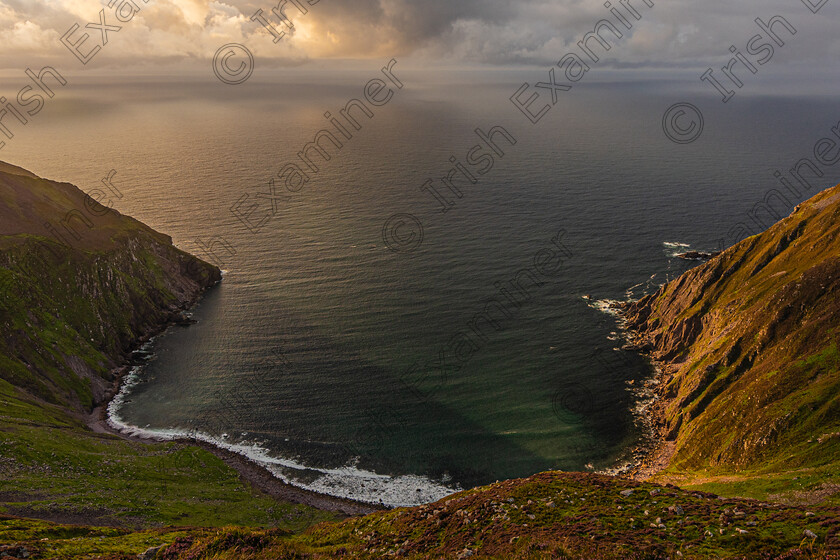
(552, 515)
(53, 467)
(74, 301)
(81, 284)
(748, 345)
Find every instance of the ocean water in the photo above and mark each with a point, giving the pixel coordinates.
(333, 360)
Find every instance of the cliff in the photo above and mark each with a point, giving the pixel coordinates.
(748, 348)
(80, 286)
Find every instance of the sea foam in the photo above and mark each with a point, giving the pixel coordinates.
(348, 482)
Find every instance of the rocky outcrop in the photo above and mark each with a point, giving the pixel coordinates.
(698, 255)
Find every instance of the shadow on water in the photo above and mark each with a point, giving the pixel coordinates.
(312, 401)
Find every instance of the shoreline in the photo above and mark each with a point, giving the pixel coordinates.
(249, 471)
(256, 475)
(652, 453)
(641, 462)
(656, 452)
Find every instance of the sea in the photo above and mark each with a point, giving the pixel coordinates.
(356, 345)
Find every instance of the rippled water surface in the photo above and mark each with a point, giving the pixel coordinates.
(342, 365)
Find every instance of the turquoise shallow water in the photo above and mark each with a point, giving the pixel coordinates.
(320, 354)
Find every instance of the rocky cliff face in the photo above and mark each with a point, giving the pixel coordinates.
(80, 286)
(748, 345)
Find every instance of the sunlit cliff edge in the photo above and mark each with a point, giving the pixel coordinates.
(747, 344)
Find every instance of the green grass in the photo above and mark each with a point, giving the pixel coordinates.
(806, 486)
(59, 541)
(583, 515)
(551, 515)
(68, 315)
(52, 467)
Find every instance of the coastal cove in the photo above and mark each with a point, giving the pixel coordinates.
(314, 344)
(419, 280)
(651, 325)
(346, 489)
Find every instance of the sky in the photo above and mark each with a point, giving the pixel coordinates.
(183, 33)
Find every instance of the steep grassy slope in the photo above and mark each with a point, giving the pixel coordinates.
(79, 285)
(73, 302)
(748, 343)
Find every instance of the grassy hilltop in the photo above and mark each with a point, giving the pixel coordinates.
(747, 344)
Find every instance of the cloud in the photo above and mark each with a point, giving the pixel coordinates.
(679, 32)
